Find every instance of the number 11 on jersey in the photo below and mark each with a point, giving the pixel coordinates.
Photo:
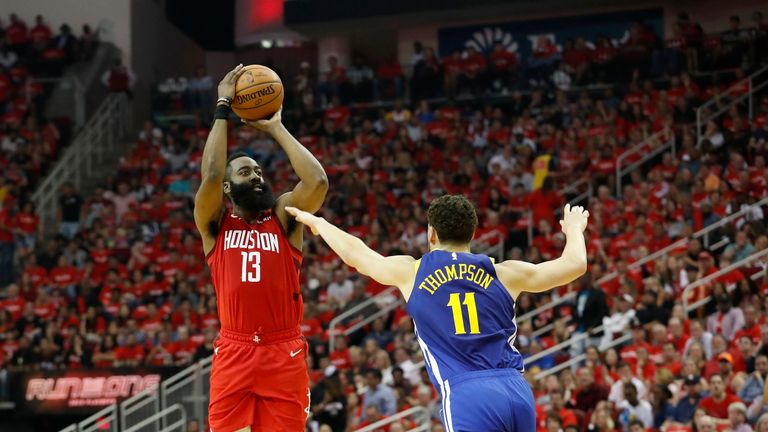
(458, 315)
(251, 266)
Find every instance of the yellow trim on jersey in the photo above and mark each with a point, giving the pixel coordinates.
(493, 260)
(416, 266)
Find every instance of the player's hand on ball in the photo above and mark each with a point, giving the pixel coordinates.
(267, 125)
(306, 218)
(574, 218)
(227, 84)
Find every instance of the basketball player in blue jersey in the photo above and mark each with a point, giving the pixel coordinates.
(463, 308)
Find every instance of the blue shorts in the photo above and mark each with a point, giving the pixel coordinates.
(496, 400)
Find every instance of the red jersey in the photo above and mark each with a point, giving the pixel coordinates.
(255, 271)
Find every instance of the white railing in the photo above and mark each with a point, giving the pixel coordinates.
(165, 408)
(420, 414)
(104, 420)
(581, 357)
(657, 146)
(98, 138)
(702, 233)
(189, 388)
(179, 425)
(705, 280)
(756, 82)
(137, 407)
(387, 297)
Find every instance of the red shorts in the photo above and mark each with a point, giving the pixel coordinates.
(259, 381)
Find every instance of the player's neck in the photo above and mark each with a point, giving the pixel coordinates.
(245, 215)
(451, 248)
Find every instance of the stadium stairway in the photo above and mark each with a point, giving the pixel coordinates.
(93, 154)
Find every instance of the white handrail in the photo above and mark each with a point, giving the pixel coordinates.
(417, 410)
(137, 401)
(704, 232)
(755, 256)
(702, 118)
(555, 369)
(159, 416)
(98, 138)
(351, 312)
(655, 150)
(97, 421)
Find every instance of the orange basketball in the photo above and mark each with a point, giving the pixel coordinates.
(258, 93)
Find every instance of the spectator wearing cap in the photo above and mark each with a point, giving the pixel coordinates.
(718, 401)
(737, 417)
(727, 320)
(683, 411)
(754, 387)
(725, 367)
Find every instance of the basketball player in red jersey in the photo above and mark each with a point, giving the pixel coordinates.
(259, 380)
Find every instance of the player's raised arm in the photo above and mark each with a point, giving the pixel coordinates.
(209, 200)
(519, 276)
(309, 193)
(396, 270)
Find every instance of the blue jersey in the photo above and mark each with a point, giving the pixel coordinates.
(463, 316)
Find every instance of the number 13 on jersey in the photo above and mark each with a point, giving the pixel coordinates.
(251, 266)
(458, 315)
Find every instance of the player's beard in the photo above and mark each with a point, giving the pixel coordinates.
(244, 196)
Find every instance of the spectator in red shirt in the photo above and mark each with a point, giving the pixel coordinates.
(131, 354)
(576, 59)
(16, 34)
(7, 245)
(544, 56)
(40, 34)
(503, 67)
(12, 303)
(473, 76)
(716, 404)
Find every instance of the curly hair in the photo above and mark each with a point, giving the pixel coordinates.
(454, 218)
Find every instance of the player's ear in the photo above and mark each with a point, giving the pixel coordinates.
(226, 187)
(431, 235)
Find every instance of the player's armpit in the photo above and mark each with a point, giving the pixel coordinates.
(209, 205)
(520, 276)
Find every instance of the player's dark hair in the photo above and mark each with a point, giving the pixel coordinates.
(454, 218)
(233, 156)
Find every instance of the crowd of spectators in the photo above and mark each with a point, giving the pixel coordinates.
(29, 143)
(123, 283)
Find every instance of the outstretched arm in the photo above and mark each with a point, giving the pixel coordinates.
(519, 276)
(309, 193)
(396, 270)
(209, 200)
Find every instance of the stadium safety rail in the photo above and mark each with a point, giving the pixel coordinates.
(385, 301)
(757, 256)
(420, 415)
(659, 142)
(166, 407)
(702, 233)
(757, 81)
(96, 140)
(688, 308)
